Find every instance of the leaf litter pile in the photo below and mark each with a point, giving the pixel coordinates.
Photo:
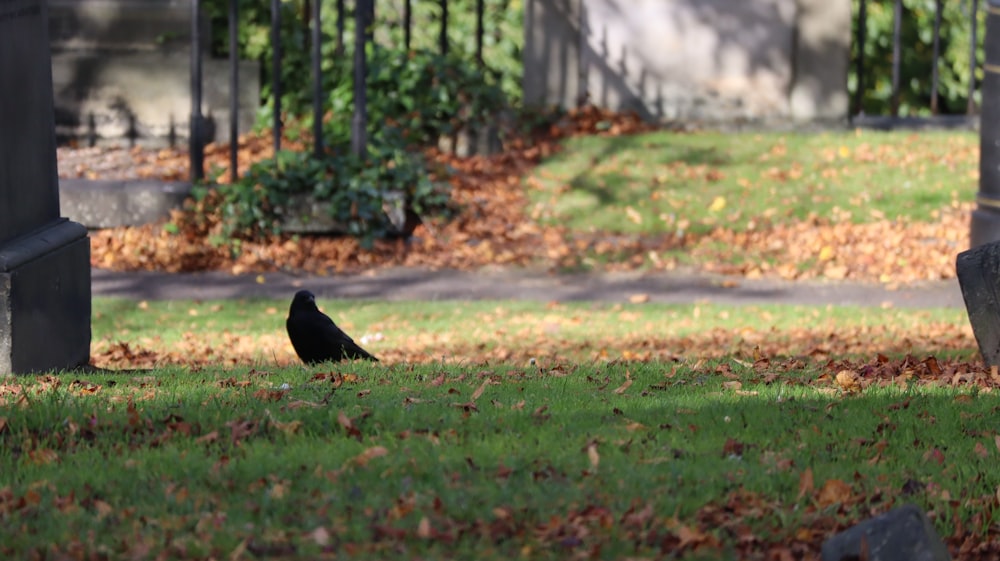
(716, 459)
(495, 226)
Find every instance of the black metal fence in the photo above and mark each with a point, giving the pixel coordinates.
(364, 18)
(933, 101)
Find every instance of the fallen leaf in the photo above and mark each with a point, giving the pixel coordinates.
(934, 455)
(628, 383)
(370, 454)
(592, 455)
(278, 491)
(849, 381)
(833, 491)
(479, 391)
(981, 450)
(288, 428)
(344, 421)
(43, 456)
(424, 528)
(208, 438)
(320, 536)
(103, 509)
(806, 485)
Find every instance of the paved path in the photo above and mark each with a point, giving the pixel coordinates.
(420, 284)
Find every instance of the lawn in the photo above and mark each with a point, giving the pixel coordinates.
(499, 430)
(664, 182)
(760, 438)
(722, 459)
(252, 331)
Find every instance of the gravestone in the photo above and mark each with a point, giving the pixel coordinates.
(44, 259)
(902, 534)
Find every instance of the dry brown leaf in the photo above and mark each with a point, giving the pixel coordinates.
(849, 381)
(834, 491)
(370, 454)
(628, 383)
(479, 391)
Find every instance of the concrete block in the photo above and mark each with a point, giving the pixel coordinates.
(114, 203)
(902, 534)
(45, 300)
(978, 272)
(820, 61)
(116, 97)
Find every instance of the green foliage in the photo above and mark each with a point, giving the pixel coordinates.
(917, 52)
(356, 189)
(417, 96)
(414, 98)
(425, 96)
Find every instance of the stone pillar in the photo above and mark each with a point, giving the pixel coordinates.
(44, 259)
(985, 227)
(820, 60)
(551, 54)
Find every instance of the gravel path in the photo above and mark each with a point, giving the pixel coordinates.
(420, 284)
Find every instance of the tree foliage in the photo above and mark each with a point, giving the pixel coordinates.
(917, 56)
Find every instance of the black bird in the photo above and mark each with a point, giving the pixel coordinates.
(314, 335)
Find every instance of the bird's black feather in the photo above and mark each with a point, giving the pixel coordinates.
(314, 335)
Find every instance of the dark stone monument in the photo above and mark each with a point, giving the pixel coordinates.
(979, 276)
(902, 534)
(44, 259)
(985, 223)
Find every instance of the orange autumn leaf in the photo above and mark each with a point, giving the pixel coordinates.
(833, 491)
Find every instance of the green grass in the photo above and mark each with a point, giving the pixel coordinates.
(668, 182)
(542, 464)
(578, 331)
(472, 458)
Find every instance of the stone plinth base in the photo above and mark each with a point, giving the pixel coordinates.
(113, 203)
(45, 299)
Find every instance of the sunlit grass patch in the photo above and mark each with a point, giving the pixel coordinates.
(675, 183)
(252, 331)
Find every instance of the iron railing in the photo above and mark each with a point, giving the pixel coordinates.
(857, 113)
(364, 14)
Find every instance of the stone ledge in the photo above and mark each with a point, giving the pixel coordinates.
(114, 203)
(60, 232)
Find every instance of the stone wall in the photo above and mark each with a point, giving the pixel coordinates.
(121, 71)
(764, 61)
